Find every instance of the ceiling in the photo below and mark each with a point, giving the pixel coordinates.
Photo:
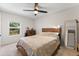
(17, 8)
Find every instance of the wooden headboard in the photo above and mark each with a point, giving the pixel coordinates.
(50, 29)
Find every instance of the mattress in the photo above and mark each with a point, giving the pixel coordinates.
(39, 45)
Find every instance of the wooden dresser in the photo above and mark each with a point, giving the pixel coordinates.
(30, 32)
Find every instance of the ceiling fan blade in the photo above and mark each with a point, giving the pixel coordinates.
(42, 11)
(28, 10)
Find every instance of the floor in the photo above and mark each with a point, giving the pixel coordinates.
(66, 52)
(11, 50)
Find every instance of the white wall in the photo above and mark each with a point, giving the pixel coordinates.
(58, 18)
(6, 19)
(0, 28)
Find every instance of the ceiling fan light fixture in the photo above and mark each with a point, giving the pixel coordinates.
(35, 12)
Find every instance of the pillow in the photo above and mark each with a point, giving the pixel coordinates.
(49, 34)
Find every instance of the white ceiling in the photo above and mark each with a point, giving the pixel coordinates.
(17, 8)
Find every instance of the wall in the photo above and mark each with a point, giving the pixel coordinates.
(0, 28)
(58, 18)
(6, 19)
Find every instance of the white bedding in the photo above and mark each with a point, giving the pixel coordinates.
(52, 34)
(39, 44)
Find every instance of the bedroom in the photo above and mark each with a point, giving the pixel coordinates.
(58, 14)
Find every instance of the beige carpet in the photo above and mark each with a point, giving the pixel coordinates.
(11, 50)
(67, 52)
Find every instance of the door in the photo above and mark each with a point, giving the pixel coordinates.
(71, 34)
(71, 40)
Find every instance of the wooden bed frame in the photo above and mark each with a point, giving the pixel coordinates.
(22, 50)
(58, 30)
(50, 29)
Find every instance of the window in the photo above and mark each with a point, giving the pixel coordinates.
(14, 28)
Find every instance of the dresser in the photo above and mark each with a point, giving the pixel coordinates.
(30, 32)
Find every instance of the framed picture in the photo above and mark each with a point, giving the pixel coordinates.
(14, 28)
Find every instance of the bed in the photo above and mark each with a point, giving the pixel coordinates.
(43, 44)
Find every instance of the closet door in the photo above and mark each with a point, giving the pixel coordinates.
(70, 36)
(71, 39)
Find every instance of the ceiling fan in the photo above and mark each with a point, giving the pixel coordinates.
(36, 9)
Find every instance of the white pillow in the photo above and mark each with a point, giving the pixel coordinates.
(49, 34)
